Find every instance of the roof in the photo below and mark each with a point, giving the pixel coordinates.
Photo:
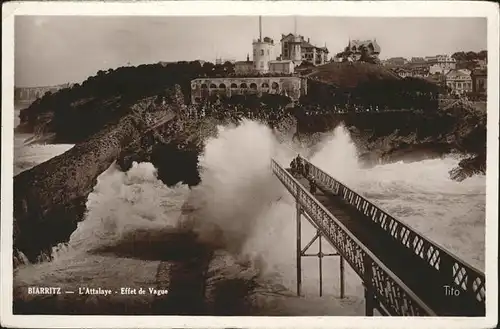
(284, 36)
(366, 43)
(456, 73)
(480, 72)
(303, 42)
(306, 44)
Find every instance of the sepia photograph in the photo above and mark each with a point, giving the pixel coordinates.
(255, 164)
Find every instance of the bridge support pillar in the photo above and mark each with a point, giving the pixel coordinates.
(302, 252)
(342, 280)
(299, 250)
(369, 297)
(320, 261)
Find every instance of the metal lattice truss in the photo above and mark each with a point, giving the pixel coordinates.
(393, 295)
(470, 280)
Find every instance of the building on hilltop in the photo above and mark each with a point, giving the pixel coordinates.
(418, 60)
(262, 54)
(295, 48)
(291, 48)
(244, 67)
(282, 66)
(441, 63)
(357, 47)
(294, 51)
(395, 61)
(261, 75)
(411, 72)
(402, 72)
(479, 81)
(264, 60)
(459, 81)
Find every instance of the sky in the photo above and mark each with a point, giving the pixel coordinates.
(51, 50)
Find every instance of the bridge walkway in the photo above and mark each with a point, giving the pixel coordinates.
(414, 271)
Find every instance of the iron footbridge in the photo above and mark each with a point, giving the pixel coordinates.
(403, 272)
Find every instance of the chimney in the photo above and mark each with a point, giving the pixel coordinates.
(248, 57)
(260, 28)
(308, 40)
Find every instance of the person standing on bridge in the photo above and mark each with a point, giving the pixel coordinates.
(299, 164)
(293, 166)
(312, 185)
(306, 169)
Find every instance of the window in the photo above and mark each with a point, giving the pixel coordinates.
(222, 86)
(262, 52)
(243, 86)
(213, 86)
(253, 86)
(261, 65)
(234, 86)
(254, 52)
(268, 51)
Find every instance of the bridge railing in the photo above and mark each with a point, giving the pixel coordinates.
(470, 280)
(387, 288)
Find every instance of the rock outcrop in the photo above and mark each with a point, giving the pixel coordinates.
(410, 135)
(50, 198)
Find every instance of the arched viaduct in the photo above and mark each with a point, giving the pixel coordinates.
(293, 87)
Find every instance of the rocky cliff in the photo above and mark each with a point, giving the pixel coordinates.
(410, 135)
(50, 198)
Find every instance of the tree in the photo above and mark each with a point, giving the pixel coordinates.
(470, 56)
(208, 68)
(366, 56)
(483, 54)
(459, 56)
(347, 53)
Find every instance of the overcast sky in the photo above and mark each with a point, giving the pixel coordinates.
(57, 49)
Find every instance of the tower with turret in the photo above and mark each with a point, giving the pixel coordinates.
(262, 51)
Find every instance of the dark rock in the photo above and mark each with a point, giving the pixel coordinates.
(50, 198)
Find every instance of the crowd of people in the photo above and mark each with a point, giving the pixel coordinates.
(311, 110)
(300, 167)
(238, 112)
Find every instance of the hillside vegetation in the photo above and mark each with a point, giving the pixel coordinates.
(350, 74)
(74, 114)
